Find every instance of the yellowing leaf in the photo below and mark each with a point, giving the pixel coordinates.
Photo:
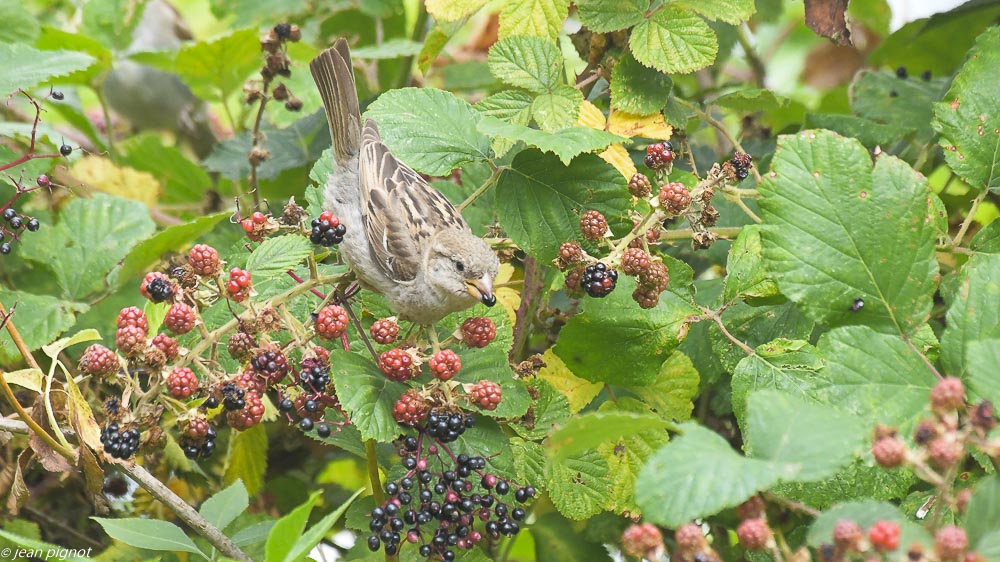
(617, 156)
(542, 18)
(652, 126)
(28, 378)
(104, 175)
(451, 10)
(508, 298)
(591, 116)
(578, 391)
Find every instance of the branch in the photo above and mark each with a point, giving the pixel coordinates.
(969, 218)
(714, 315)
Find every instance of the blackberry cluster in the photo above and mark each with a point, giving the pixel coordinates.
(659, 155)
(640, 186)
(593, 225)
(16, 224)
(314, 375)
(599, 280)
(198, 441)
(741, 163)
(385, 330)
(271, 364)
(241, 346)
(120, 444)
(327, 230)
(233, 397)
(157, 287)
(447, 427)
(311, 409)
(445, 511)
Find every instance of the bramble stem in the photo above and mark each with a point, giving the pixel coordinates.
(373, 475)
(970, 217)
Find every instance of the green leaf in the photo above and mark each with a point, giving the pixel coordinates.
(539, 200)
(557, 541)
(696, 475)
(641, 339)
(983, 376)
(151, 250)
(602, 16)
(674, 41)
(217, 68)
(859, 480)
(512, 106)
(277, 255)
(111, 22)
(729, 11)
(972, 311)
(579, 486)
(885, 98)
(532, 63)
(149, 534)
(591, 429)
(828, 242)
(39, 318)
(987, 240)
(21, 26)
(225, 506)
(389, 49)
(246, 459)
(487, 436)
(542, 18)
(25, 67)
(756, 325)
(366, 394)
(676, 385)
(637, 89)
(869, 133)
(91, 237)
(55, 348)
(752, 100)
(550, 407)
(182, 179)
(530, 460)
(431, 130)
(566, 143)
(627, 455)
(982, 516)
(746, 274)
(558, 109)
(865, 513)
(807, 441)
(967, 118)
(450, 10)
(779, 364)
(287, 530)
(291, 147)
(317, 532)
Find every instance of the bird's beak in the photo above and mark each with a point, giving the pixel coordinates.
(482, 289)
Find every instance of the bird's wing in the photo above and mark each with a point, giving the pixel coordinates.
(402, 211)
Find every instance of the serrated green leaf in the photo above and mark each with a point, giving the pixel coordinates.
(807, 441)
(21, 26)
(674, 41)
(151, 250)
(225, 506)
(696, 475)
(729, 11)
(779, 364)
(39, 319)
(870, 133)
(92, 235)
(548, 409)
(246, 459)
(565, 143)
(149, 534)
(967, 118)
(529, 458)
(557, 541)
(602, 16)
(859, 480)
(217, 68)
(277, 255)
(542, 18)
(746, 274)
(366, 394)
(828, 242)
(289, 529)
(431, 130)
(587, 431)
(865, 514)
(982, 358)
(532, 63)
(637, 89)
(987, 240)
(539, 200)
(512, 106)
(558, 109)
(752, 100)
(451, 10)
(627, 455)
(26, 67)
(972, 311)
(676, 385)
(885, 98)
(579, 486)
(982, 516)
(756, 325)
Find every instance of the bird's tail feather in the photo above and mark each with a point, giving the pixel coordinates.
(334, 77)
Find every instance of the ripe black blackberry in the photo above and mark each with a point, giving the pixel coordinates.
(160, 289)
(199, 447)
(314, 375)
(233, 397)
(447, 427)
(741, 163)
(119, 443)
(599, 280)
(327, 230)
(271, 364)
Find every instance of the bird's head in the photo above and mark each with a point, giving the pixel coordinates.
(461, 266)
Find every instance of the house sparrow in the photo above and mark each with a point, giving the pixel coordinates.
(404, 238)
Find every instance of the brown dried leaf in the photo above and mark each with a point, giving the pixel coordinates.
(828, 19)
(48, 457)
(17, 492)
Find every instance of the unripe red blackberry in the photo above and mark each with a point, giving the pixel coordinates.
(690, 538)
(948, 394)
(569, 253)
(271, 364)
(643, 541)
(478, 331)
(250, 415)
(645, 297)
(384, 330)
(598, 280)
(950, 543)
(753, 508)
(656, 277)
(132, 316)
(255, 226)
(180, 319)
(204, 260)
(847, 535)
(131, 341)
(659, 155)
(945, 452)
(182, 383)
(884, 536)
(196, 428)
(99, 361)
(241, 346)
(398, 364)
(444, 364)
(593, 225)
(250, 379)
(157, 287)
(167, 345)
(573, 278)
(639, 186)
(486, 395)
(411, 408)
(239, 284)
(889, 452)
(635, 261)
(675, 198)
(754, 534)
(331, 322)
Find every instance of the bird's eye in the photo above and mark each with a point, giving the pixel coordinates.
(459, 266)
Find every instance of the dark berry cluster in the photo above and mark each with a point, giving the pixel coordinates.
(659, 155)
(448, 426)
(327, 230)
(310, 408)
(447, 511)
(198, 439)
(250, 414)
(741, 162)
(120, 443)
(233, 397)
(16, 224)
(157, 287)
(598, 280)
(271, 364)
(313, 375)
